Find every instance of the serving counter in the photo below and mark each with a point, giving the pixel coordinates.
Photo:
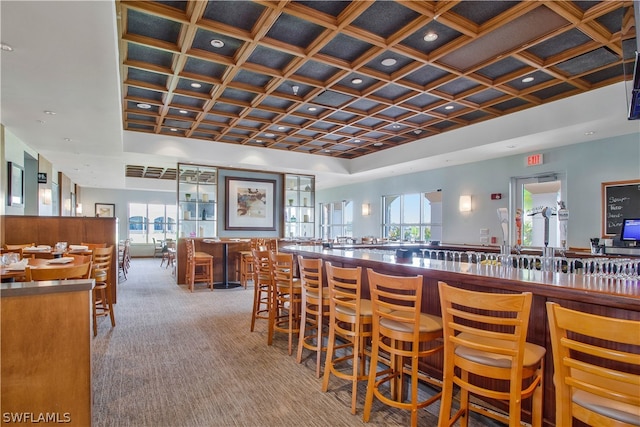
(606, 296)
(45, 352)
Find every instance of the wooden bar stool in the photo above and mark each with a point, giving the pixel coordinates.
(315, 308)
(286, 298)
(102, 259)
(350, 319)
(246, 260)
(486, 354)
(262, 285)
(403, 335)
(199, 266)
(596, 382)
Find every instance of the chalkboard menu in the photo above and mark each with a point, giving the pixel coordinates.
(620, 199)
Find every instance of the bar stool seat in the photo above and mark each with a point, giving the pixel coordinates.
(532, 353)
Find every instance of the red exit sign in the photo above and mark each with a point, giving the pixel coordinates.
(534, 159)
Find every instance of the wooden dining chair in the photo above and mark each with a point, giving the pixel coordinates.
(82, 271)
(17, 248)
(596, 362)
(402, 335)
(92, 246)
(486, 354)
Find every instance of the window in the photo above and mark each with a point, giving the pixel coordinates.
(336, 220)
(411, 217)
(151, 221)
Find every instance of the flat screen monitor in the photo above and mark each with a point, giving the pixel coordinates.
(630, 230)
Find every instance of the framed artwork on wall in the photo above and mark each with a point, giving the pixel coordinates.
(250, 204)
(105, 210)
(15, 185)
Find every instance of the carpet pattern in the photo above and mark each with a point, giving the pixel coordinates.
(177, 358)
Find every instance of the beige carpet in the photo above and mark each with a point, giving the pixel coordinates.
(177, 359)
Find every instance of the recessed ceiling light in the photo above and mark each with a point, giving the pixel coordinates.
(327, 151)
(356, 140)
(377, 144)
(430, 36)
(183, 111)
(5, 47)
(449, 107)
(511, 146)
(68, 139)
(312, 108)
(269, 135)
(173, 130)
(259, 140)
(396, 126)
(417, 131)
(356, 81)
(591, 132)
(281, 128)
(387, 62)
(49, 112)
(41, 122)
(144, 106)
(527, 79)
(217, 43)
(196, 85)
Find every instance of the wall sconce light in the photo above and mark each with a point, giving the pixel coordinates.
(46, 196)
(79, 209)
(366, 209)
(465, 203)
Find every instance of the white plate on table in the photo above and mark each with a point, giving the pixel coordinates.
(63, 260)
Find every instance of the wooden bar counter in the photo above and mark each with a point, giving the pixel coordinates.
(593, 294)
(46, 353)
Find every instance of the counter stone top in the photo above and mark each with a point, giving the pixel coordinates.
(19, 289)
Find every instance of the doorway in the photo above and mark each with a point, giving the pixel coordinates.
(535, 196)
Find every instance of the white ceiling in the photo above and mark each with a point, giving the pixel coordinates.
(52, 69)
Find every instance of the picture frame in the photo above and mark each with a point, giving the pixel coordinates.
(15, 184)
(105, 210)
(250, 204)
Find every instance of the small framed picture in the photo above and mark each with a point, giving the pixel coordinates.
(105, 210)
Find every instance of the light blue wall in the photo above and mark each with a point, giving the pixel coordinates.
(585, 166)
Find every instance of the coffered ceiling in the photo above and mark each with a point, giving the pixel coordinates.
(349, 78)
(78, 71)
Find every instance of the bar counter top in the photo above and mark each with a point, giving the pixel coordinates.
(18, 289)
(619, 292)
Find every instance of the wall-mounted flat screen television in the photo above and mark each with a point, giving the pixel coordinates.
(630, 231)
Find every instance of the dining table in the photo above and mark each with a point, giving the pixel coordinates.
(47, 252)
(17, 272)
